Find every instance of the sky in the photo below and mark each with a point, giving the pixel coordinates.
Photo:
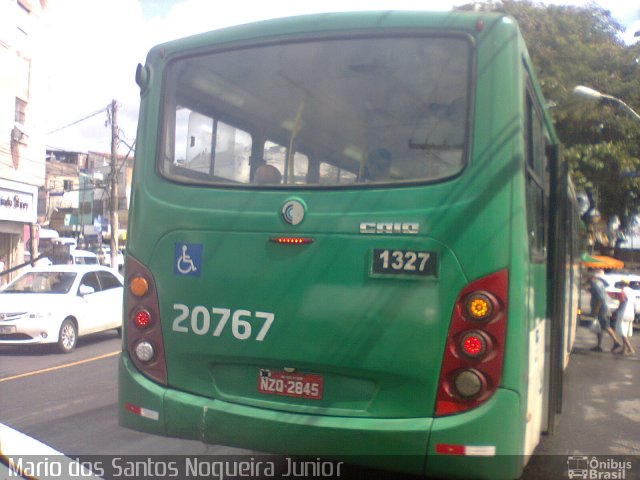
(92, 49)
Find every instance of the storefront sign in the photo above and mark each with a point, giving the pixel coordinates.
(18, 202)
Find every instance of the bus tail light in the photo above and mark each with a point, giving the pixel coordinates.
(475, 343)
(474, 350)
(144, 351)
(142, 318)
(143, 331)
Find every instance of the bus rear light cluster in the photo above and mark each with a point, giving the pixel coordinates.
(143, 331)
(473, 355)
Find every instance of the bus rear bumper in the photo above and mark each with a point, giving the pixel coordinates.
(393, 444)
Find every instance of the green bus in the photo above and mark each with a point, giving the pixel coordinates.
(351, 236)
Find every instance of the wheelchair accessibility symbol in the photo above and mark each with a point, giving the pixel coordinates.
(187, 259)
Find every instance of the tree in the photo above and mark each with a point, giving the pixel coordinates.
(572, 46)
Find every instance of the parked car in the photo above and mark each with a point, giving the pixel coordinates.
(57, 304)
(613, 287)
(83, 257)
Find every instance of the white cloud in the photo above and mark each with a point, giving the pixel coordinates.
(93, 50)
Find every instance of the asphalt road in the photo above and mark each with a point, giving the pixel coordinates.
(69, 402)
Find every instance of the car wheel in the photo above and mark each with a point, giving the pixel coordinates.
(68, 337)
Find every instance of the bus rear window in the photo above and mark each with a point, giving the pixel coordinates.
(341, 112)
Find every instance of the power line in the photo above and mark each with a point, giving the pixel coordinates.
(102, 110)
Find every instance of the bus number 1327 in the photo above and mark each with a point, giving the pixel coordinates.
(406, 262)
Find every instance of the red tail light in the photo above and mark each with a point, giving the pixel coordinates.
(473, 355)
(142, 318)
(143, 331)
(474, 343)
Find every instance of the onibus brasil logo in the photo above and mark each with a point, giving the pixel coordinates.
(583, 466)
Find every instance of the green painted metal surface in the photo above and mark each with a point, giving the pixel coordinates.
(377, 340)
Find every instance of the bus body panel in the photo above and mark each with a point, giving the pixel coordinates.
(394, 444)
(348, 324)
(377, 340)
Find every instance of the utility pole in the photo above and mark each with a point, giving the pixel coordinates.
(114, 185)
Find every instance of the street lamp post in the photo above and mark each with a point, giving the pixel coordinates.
(603, 98)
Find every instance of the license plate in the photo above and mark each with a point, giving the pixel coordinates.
(7, 329)
(404, 262)
(287, 384)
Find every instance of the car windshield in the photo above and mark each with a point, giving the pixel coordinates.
(42, 282)
(85, 260)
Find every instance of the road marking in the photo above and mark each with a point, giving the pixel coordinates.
(66, 365)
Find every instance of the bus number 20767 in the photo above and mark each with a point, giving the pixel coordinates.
(203, 321)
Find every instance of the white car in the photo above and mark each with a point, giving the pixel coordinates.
(59, 303)
(83, 257)
(612, 287)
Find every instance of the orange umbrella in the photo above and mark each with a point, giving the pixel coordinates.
(604, 262)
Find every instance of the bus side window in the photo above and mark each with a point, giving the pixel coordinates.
(232, 152)
(294, 170)
(193, 140)
(535, 181)
(330, 174)
(208, 149)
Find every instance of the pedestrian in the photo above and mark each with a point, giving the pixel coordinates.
(624, 317)
(600, 309)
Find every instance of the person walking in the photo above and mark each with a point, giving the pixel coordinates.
(599, 308)
(624, 317)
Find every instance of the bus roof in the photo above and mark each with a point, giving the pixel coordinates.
(334, 23)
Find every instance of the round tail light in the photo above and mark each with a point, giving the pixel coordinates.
(469, 383)
(474, 344)
(142, 318)
(479, 306)
(144, 351)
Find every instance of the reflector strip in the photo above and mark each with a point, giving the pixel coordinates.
(480, 450)
(445, 449)
(142, 412)
(468, 450)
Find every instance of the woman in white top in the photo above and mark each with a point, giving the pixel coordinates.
(624, 317)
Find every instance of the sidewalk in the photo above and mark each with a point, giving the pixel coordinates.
(601, 409)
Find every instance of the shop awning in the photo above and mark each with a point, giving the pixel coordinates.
(602, 261)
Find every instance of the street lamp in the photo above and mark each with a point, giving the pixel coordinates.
(604, 99)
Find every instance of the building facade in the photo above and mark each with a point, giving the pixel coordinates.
(76, 201)
(23, 81)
